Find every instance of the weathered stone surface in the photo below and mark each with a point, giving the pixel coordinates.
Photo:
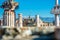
(7, 37)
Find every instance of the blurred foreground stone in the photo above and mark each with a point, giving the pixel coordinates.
(57, 33)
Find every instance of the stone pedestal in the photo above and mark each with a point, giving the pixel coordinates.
(57, 33)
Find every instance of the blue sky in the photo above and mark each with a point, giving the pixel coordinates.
(33, 7)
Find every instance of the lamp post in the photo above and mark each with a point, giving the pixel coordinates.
(56, 12)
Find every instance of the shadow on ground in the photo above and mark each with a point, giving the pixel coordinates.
(49, 36)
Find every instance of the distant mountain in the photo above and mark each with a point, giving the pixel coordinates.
(47, 19)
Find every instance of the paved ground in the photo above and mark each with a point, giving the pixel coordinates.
(35, 37)
(24, 38)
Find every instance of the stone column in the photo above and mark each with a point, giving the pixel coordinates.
(20, 20)
(37, 21)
